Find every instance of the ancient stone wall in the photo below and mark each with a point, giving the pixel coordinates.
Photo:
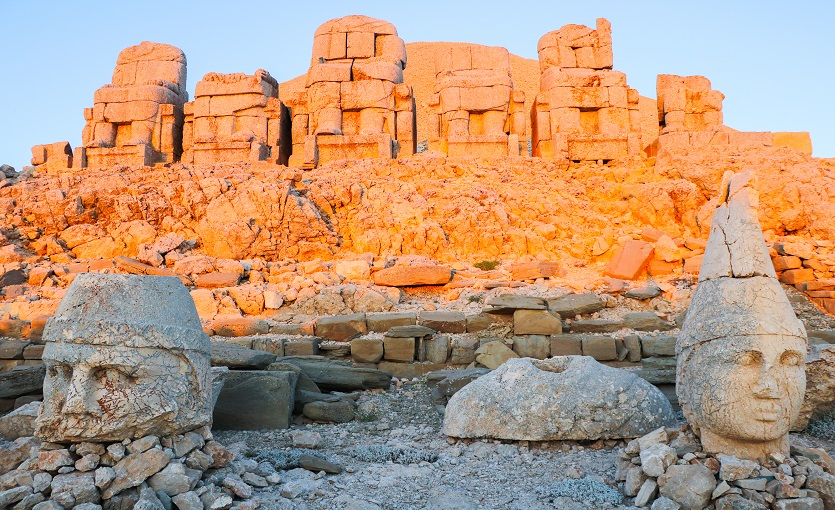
(584, 109)
(355, 104)
(236, 117)
(137, 119)
(476, 111)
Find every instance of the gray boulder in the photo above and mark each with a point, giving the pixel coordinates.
(575, 304)
(22, 380)
(565, 397)
(20, 422)
(252, 400)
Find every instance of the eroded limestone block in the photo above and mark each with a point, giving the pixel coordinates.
(740, 373)
(126, 357)
(564, 397)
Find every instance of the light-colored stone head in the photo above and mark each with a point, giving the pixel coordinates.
(126, 357)
(740, 375)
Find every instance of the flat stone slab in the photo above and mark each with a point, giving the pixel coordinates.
(572, 305)
(22, 380)
(410, 276)
(382, 322)
(508, 303)
(341, 327)
(409, 332)
(332, 375)
(236, 357)
(444, 322)
(596, 326)
(646, 321)
(253, 400)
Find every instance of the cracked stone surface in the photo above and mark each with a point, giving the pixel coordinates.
(564, 397)
(126, 357)
(740, 372)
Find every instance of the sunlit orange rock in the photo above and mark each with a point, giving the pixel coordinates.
(630, 261)
(138, 118)
(355, 104)
(236, 117)
(52, 158)
(584, 109)
(476, 111)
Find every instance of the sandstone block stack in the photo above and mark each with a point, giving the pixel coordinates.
(236, 117)
(476, 111)
(584, 109)
(52, 158)
(138, 118)
(355, 104)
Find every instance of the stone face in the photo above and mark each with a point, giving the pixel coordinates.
(409, 276)
(572, 305)
(565, 397)
(252, 400)
(690, 486)
(740, 373)
(126, 357)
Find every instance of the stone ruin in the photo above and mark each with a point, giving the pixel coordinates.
(740, 373)
(52, 158)
(584, 109)
(476, 111)
(236, 117)
(138, 118)
(126, 357)
(355, 104)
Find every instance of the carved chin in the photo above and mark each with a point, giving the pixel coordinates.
(73, 427)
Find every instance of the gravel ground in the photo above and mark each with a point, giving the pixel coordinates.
(462, 475)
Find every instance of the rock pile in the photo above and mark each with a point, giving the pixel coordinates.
(668, 470)
(190, 471)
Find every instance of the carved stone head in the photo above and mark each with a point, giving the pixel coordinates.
(741, 373)
(126, 357)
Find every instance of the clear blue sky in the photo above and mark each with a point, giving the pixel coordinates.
(775, 61)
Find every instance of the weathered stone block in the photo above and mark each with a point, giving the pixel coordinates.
(601, 348)
(572, 305)
(532, 346)
(252, 400)
(566, 345)
(382, 322)
(341, 327)
(443, 321)
(536, 322)
(367, 350)
(399, 349)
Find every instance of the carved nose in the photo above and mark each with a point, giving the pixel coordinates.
(80, 394)
(766, 386)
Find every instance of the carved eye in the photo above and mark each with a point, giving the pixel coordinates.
(791, 358)
(60, 371)
(749, 358)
